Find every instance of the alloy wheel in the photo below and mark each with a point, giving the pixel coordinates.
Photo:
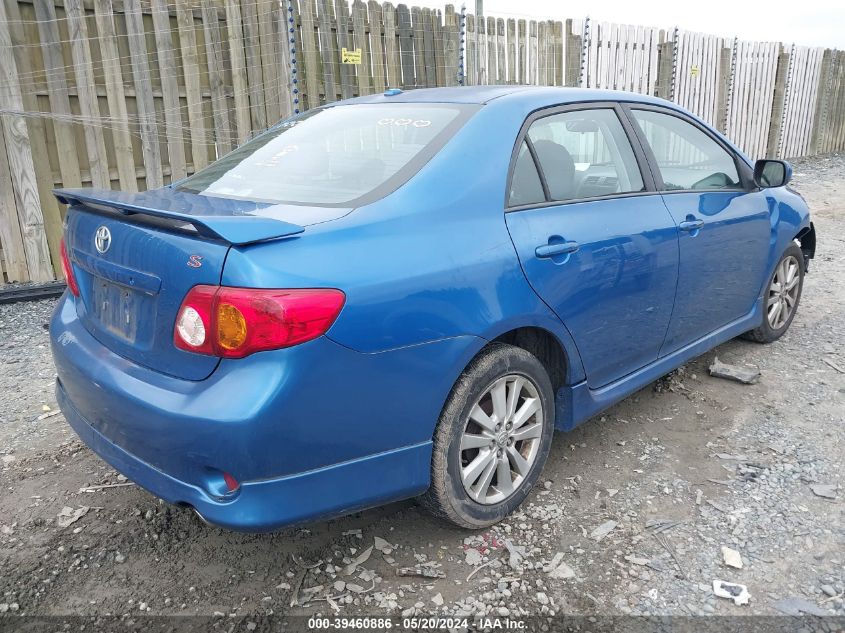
(501, 439)
(783, 293)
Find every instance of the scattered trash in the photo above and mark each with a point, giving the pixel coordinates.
(294, 594)
(731, 557)
(367, 575)
(515, 554)
(383, 546)
(798, 606)
(732, 372)
(721, 482)
(49, 414)
(828, 491)
(738, 593)
(333, 604)
(438, 600)
(698, 495)
(68, 515)
(603, 530)
(473, 557)
(661, 525)
(558, 569)
(740, 458)
(362, 558)
(303, 564)
(834, 365)
(668, 547)
(104, 487)
(356, 532)
(422, 572)
(718, 506)
(480, 567)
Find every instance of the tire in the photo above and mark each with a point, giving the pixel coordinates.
(448, 497)
(768, 331)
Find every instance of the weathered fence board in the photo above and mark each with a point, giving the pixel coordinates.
(169, 90)
(216, 78)
(54, 71)
(115, 94)
(235, 23)
(138, 93)
(150, 148)
(187, 34)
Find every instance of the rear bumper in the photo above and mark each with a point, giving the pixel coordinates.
(266, 505)
(312, 431)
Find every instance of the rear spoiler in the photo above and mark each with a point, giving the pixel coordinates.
(215, 218)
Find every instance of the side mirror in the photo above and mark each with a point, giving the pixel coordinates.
(772, 173)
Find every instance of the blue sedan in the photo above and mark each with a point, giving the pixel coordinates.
(406, 294)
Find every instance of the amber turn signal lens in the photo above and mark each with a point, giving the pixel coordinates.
(231, 326)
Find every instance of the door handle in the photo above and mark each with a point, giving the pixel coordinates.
(551, 250)
(690, 225)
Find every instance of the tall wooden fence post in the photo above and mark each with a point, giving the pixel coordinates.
(574, 56)
(21, 166)
(823, 102)
(725, 62)
(14, 253)
(773, 143)
(665, 69)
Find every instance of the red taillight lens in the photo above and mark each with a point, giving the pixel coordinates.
(231, 483)
(67, 269)
(236, 322)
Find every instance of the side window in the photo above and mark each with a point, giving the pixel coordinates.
(687, 157)
(585, 153)
(526, 187)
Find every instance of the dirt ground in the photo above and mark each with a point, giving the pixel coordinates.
(685, 467)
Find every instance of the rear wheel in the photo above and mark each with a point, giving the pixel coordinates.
(780, 301)
(492, 439)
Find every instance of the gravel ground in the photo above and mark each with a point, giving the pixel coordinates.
(632, 516)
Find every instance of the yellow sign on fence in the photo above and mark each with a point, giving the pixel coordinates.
(350, 57)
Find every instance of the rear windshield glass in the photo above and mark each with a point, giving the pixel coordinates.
(340, 155)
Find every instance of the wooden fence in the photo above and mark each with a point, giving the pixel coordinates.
(134, 94)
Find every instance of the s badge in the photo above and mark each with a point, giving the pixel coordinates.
(195, 261)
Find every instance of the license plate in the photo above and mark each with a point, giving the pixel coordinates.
(117, 308)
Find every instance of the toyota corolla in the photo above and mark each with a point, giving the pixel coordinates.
(405, 295)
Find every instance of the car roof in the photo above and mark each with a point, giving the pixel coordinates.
(537, 96)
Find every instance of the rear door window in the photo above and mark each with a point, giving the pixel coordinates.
(344, 155)
(687, 157)
(585, 154)
(526, 186)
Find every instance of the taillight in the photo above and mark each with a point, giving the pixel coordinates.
(67, 269)
(236, 322)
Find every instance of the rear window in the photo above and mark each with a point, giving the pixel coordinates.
(343, 155)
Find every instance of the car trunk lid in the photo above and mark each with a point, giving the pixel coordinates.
(136, 256)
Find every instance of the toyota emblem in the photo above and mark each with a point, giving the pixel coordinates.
(102, 239)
